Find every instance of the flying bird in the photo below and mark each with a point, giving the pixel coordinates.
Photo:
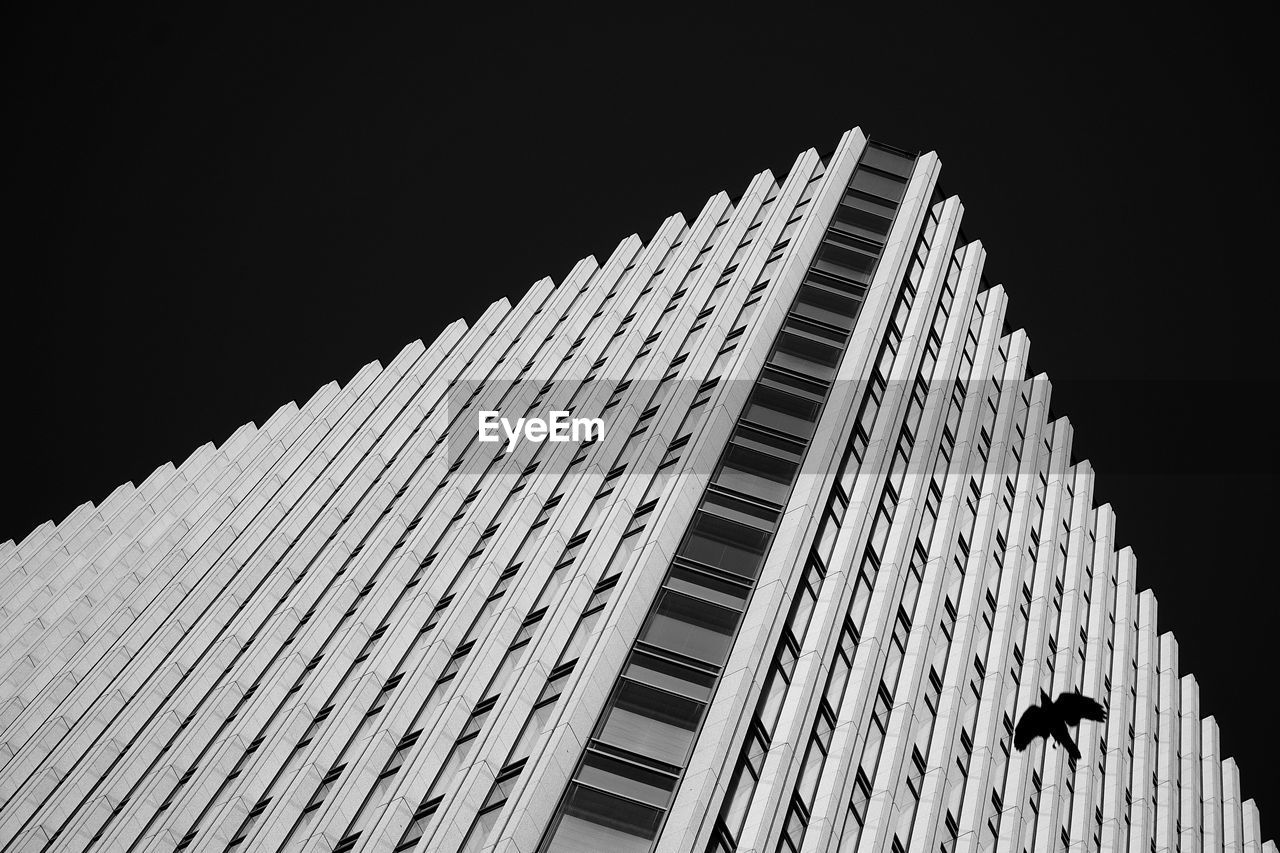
(1051, 718)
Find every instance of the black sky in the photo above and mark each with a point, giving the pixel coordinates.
(210, 214)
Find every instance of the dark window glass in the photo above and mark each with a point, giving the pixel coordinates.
(595, 821)
(792, 383)
(725, 544)
(761, 475)
(845, 261)
(888, 161)
(669, 675)
(740, 511)
(863, 223)
(626, 778)
(818, 331)
(705, 586)
(857, 291)
(652, 723)
(690, 627)
(748, 436)
(826, 306)
(806, 355)
(869, 204)
(854, 244)
(783, 412)
(885, 186)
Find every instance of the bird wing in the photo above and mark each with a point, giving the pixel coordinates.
(1035, 723)
(1062, 735)
(1074, 707)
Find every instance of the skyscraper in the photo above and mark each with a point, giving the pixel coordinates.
(758, 536)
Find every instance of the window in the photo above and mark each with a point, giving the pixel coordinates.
(825, 304)
(651, 722)
(854, 219)
(708, 587)
(806, 599)
(579, 639)
(532, 730)
(776, 687)
(480, 830)
(669, 675)
(751, 472)
(725, 544)
(878, 184)
(738, 798)
(630, 779)
(802, 351)
(594, 820)
(792, 383)
(626, 775)
(541, 714)
(782, 412)
(887, 161)
(688, 626)
(739, 510)
(850, 259)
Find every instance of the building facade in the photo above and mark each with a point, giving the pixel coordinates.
(825, 546)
